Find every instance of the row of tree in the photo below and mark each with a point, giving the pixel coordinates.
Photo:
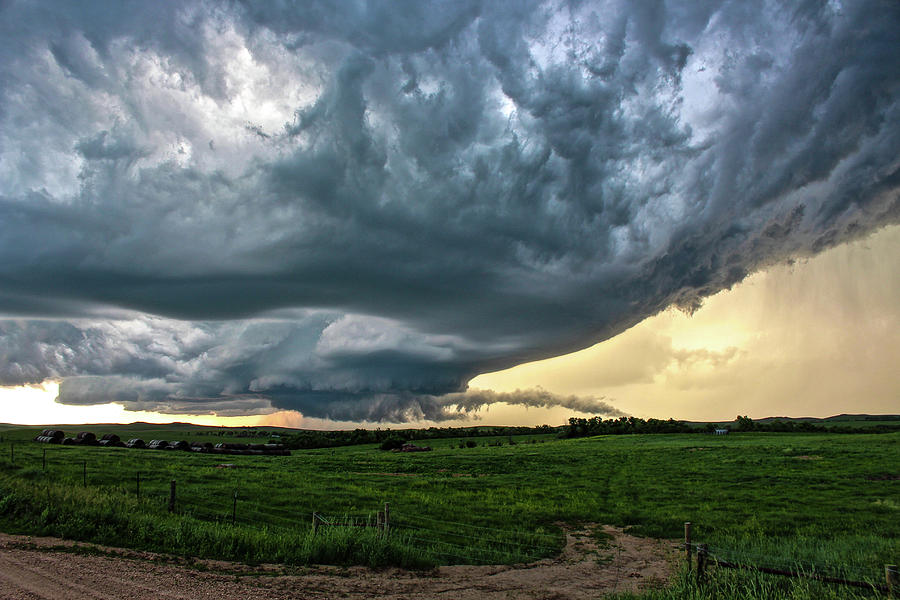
(308, 439)
(579, 427)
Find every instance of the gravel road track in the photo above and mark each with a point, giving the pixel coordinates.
(35, 568)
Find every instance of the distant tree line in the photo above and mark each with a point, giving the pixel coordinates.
(743, 423)
(580, 427)
(576, 427)
(308, 439)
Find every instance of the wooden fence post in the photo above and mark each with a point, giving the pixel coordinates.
(892, 577)
(387, 518)
(172, 496)
(701, 562)
(687, 543)
(379, 520)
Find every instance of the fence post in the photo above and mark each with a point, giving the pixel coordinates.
(387, 518)
(84, 473)
(892, 577)
(379, 520)
(701, 562)
(234, 509)
(315, 522)
(687, 543)
(172, 496)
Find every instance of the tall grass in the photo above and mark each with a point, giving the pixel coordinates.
(825, 500)
(103, 517)
(725, 584)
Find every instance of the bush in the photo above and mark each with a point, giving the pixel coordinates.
(392, 443)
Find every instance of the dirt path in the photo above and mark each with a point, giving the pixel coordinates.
(49, 568)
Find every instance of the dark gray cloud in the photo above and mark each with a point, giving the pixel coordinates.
(354, 210)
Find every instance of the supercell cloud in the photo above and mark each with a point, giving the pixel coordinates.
(351, 209)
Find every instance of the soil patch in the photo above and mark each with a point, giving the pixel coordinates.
(44, 568)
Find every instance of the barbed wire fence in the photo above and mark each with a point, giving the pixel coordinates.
(747, 560)
(158, 489)
(450, 541)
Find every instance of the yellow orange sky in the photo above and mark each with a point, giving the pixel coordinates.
(816, 338)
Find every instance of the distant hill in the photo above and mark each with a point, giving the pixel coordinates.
(843, 420)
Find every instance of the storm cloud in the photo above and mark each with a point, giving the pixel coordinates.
(353, 209)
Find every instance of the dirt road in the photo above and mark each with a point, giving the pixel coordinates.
(49, 568)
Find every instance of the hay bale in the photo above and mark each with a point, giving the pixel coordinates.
(135, 443)
(69, 442)
(179, 445)
(110, 437)
(158, 444)
(111, 443)
(54, 433)
(86, 438)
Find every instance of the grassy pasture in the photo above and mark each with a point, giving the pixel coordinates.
(791, 499)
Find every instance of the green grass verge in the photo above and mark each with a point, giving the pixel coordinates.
(800, 499)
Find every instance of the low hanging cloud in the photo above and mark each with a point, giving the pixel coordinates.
(352, 211)
(474, 400)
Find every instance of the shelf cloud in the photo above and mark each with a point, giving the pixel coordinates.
(352, 210)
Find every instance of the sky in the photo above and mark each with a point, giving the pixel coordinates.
(319, 213)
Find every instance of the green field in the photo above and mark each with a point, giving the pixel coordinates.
(812, 501)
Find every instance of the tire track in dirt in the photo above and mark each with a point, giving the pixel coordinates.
(37, 569)
(52, 575)
(36, 579)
